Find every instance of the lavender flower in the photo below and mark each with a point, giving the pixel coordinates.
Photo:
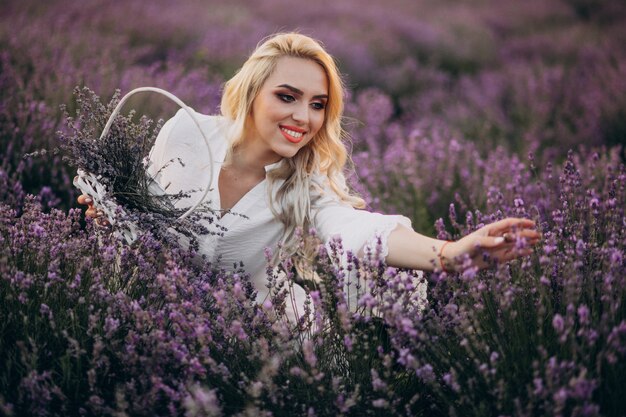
(117, 161)
(441, 113)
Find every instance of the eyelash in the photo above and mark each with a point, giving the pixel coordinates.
(290, 99)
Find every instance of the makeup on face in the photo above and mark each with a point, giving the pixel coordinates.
(292, 133)
(289, 109)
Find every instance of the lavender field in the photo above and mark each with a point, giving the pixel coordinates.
(460, 113)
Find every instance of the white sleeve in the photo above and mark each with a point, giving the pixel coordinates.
(180, 161)
(156, 158)
(359, 231)
(356, 228)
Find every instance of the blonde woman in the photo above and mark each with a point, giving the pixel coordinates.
(279, 159)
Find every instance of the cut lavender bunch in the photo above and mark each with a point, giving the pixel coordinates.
(112, 170)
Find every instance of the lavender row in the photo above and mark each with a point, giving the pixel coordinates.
(465, 109)
(92, 326)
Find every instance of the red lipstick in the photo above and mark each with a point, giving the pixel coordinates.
(292, 133)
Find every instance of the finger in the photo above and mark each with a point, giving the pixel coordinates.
(511, 254)
(102, 222)
(509, 237)
(84, 199)
(528, 235)
(506, 225)
(489, 242)
(92, 212)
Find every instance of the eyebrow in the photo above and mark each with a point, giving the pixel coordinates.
(300, 92)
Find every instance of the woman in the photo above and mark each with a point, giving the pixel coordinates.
(279, 160)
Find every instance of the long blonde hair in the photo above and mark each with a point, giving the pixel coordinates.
(325, 154)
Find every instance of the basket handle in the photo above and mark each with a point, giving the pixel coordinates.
(178, 101)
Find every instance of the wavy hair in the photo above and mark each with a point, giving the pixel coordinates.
(325, 154)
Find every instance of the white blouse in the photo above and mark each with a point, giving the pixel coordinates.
(179, 161)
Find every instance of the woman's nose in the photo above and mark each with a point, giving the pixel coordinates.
(301, 114)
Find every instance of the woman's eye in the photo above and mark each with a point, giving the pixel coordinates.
(286, 98)
(319, 106)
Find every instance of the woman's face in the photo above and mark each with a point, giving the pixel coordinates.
(289, 109)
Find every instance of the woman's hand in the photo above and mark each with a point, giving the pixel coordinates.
(92, 211)
(502, 241)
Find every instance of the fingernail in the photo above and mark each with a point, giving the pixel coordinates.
(498, 240)
(88, 200)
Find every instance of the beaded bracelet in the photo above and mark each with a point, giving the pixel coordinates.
(443, 268)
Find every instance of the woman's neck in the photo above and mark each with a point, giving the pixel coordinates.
(249, 159)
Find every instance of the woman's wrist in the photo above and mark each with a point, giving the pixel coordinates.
(445, 263)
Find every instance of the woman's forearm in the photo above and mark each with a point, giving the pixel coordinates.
(501, 241)
(409, 249)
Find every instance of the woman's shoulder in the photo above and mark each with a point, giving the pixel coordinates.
(322, 193)
(188, 125)
(182, 136)
(190, 121)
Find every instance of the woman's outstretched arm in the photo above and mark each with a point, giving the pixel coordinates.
(409, 249)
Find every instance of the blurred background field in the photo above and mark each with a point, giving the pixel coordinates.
(464, 76)
(459, 113)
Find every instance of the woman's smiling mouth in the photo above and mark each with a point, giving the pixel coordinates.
(292, 134)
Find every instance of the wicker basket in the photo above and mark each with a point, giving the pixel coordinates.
(89, 184)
